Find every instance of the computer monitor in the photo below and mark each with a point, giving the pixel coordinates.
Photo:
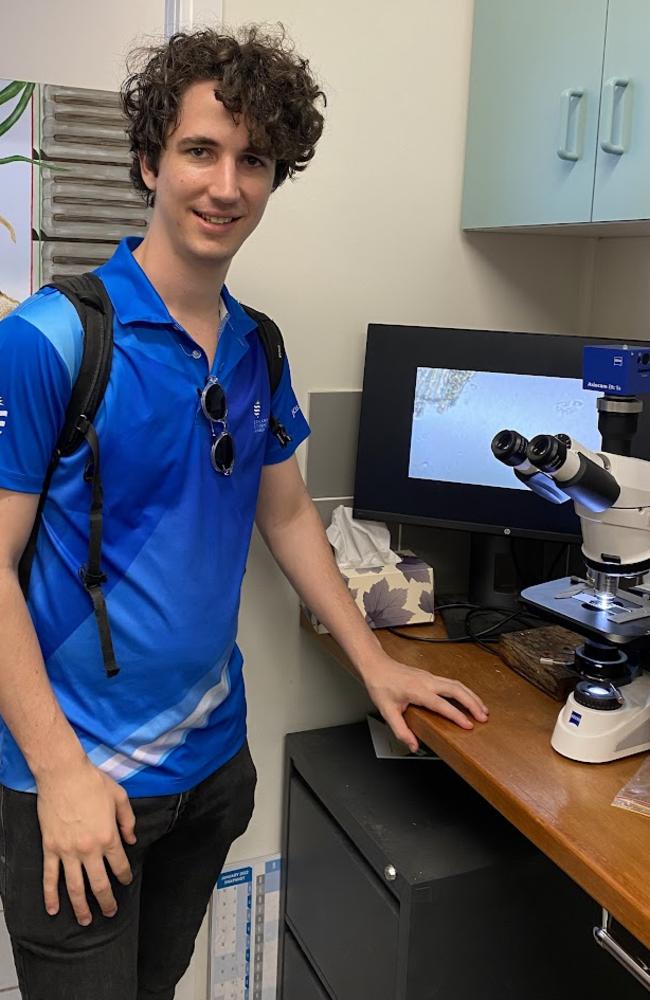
(434, 397)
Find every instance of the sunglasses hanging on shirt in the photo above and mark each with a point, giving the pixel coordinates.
(215, 409)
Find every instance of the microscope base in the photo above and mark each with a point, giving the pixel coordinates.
(596, 736)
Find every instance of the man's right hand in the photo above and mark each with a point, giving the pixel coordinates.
(82, 813)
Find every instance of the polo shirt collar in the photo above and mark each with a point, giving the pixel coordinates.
(135, 300)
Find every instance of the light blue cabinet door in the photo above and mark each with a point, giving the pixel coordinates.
(533, 112)
(622, 188)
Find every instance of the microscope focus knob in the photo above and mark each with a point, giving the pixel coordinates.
(602, 696)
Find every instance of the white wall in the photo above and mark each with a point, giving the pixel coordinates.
(74, 43)
(369, 233)
(620, 306)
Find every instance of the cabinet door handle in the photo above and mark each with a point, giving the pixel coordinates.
(572, 110)
(610, 117)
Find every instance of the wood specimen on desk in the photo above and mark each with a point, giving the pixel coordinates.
(543, 656)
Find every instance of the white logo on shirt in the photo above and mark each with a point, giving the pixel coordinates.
(295, 410)
(260, 423)
(4, 413)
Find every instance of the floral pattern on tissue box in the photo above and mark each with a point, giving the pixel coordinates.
(400, 594)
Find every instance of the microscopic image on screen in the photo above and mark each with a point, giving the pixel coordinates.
(457, 413)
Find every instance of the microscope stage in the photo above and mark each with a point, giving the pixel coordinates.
(569, 599)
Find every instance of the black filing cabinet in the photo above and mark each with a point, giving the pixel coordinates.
(401, 883)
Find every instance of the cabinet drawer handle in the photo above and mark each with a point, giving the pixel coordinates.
(606, 940)
(610, 117)
(572, 111)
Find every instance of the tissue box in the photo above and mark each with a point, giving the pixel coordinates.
(401, 594)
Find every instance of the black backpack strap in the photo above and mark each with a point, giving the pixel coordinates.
(91, 574)
(273, 344)
(88, 295)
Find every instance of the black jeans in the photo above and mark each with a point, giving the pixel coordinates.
(141, 952)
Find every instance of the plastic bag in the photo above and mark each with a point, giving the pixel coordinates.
(635, 795)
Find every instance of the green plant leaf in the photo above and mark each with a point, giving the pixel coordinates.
(37, 163)
(18, 110)
(11, 90)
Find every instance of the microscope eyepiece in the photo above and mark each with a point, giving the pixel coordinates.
(509, 447)
(512, 448)
(547, 453)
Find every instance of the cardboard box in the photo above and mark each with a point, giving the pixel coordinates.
(396, 595)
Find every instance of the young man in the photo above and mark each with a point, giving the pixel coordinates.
(121, 796)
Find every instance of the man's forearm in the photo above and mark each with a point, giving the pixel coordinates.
(27, 702)
(302, 551)
(293, 532)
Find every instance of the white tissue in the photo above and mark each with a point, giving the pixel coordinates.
(359, 544)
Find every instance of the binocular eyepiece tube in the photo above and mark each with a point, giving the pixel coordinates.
(513, 449)
(547, 459)
(544, 453)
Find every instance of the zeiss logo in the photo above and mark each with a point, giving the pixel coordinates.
(618, 362)
(4, 413)
(575, 719)
(296, 409)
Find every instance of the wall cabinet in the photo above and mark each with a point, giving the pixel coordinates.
(559, 114)
(401, 883)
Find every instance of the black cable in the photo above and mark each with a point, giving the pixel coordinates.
(444, 607)
(474, 635)
(471, 635)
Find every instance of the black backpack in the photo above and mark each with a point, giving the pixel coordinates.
(89, 297)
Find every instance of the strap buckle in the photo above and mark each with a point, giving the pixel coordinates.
(90, 580)
(83, 423)
(280, 432)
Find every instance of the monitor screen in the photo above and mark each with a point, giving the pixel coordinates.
(457, 413)
(433, 399)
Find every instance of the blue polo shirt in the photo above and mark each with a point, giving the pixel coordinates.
(176, 533)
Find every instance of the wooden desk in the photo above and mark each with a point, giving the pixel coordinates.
(562, 806)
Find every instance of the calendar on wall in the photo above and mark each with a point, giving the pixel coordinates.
(244, 927)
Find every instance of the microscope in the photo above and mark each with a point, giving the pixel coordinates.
(607, 716)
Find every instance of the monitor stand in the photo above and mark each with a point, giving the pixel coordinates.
(492, 584)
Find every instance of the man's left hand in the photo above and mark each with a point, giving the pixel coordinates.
(393, 686)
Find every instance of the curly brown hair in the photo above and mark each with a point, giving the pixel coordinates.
(260, 79)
